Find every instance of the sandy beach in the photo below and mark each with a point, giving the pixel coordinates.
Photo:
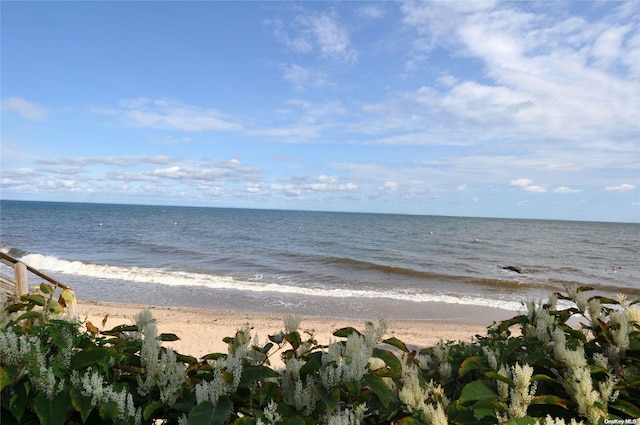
(201, 331)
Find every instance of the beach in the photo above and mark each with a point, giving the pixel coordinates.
(210, 271)
(201, 331)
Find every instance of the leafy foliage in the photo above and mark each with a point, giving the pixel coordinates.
(574, 359)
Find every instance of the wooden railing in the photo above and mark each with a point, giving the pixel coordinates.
(19, 282)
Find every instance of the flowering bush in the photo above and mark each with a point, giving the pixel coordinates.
(536, 368)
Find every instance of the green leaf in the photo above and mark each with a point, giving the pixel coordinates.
(498, 377)
(81, 403)
(277, 338)
(51, 412)
(29, 315)
(245, 421)
(487, 408)
(67, 297)
(549, 399)
(91, 356)
(294, 339)
(477, 390)
(34, 298)
(108, 409)
(604, 300)
(379, 387)
(46, 289)
(55, 307)
(331, 399)
(506, 324)
(584, 288)
(395, 342)
(150, 408)
(345, 332)
(394, 366)
(269, 391)
(492, 406)
(309, 368)
(353, 387)
(168, 337)
(10, 374)
(18, 401)
(408, 421)
(470, 364)
(206, 414)
(190, 360)
(119, 329)
(16, 307)
(575, 333)
(214, 356)
(527, 420)
(256, 373)
(296, 420)
(626, 407)
(541, 377)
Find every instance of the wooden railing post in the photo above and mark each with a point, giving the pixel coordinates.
(22, 286)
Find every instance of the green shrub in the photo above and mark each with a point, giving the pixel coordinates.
(579, 363)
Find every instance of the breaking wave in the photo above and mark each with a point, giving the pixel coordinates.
(166, 276)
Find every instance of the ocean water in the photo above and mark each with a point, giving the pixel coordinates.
(315, 263)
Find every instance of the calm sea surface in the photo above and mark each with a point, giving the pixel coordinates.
(320, 263)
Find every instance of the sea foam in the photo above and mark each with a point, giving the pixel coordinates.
(165, 276)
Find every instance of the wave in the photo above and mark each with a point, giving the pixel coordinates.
(182, 278)
(505, 281)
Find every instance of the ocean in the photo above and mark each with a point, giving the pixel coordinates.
(350, 265)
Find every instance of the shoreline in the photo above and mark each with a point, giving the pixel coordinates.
(201, 331)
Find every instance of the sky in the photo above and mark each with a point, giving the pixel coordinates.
(488, 109)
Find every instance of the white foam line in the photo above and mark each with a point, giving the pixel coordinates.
(177, 278)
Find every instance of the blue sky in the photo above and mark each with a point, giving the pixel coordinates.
(502, 109)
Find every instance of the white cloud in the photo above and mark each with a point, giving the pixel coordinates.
(327, 179)
(299, 43)
(174, 172)
(298, 75)
(528, 186)
(198, 173)
(287, 189)
(305, 185)
(391, 186)
(447, 80)
(25, 109)
(608, 47)
(620, 188)
(320, 33)
(121, 161)
(173, 115)
(324, 183)
(539, 77)
(294, 133)
(332, 38)
(371, 12)
(129, 177)
(19, 172)
(306, 122)
(314, 111)
(565, 189)
(521, 183)
(535, 189)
